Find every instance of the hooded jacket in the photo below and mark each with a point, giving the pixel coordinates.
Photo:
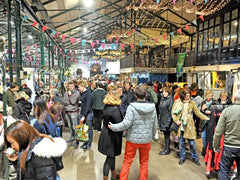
(40, 163)
(140, 122)
(22, 110)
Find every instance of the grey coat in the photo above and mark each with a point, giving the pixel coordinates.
(71, 103)
(140, 122)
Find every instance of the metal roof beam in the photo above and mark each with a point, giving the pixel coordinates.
(176, 14)
(171, 24)
(47, 2)
(88, 14)
(61, 13)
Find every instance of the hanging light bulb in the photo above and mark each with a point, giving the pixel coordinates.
(85, 29)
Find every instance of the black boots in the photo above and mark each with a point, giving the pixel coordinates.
(166, 151)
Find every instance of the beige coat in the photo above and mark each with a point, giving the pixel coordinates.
(189, 130)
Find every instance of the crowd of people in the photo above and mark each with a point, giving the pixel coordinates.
(116, 109)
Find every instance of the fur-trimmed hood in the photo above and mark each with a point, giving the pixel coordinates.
(46, 148)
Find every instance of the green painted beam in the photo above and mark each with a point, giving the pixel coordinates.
(61, 13)
(47, 2)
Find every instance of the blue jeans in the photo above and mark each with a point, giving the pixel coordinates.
(192, 145)
(204, 131)
(228, 156)
(89, 122)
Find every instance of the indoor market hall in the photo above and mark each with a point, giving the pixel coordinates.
(119, 89)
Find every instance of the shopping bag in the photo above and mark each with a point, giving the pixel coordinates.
(82, 132)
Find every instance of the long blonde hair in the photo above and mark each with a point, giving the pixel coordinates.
(113, 96)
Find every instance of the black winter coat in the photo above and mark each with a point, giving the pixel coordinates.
(165, 109)
(110, 143)
(40, 163)
(22, 110)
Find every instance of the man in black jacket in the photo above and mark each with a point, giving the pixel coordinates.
(98, 97)
(86, 111)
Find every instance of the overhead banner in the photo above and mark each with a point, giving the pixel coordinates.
(180, 63)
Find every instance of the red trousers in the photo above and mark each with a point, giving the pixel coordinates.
(130, 151)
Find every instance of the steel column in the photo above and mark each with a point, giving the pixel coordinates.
(18, 30)
(9, 8)
(42, 44)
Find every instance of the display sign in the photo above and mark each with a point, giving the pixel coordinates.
(113, 67)
(180, 63)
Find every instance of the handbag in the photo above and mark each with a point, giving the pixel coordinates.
(174, 127)
(82, 132)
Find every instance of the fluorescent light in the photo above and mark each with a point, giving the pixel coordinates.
(85, 29)
(88, 3)
(30, 36)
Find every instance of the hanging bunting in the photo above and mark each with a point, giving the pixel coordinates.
(174, 2)
(13, 51)
(5, 51)
(28, 47)
(63, 37)
(103, 46)
(117, 37)
(97, 41)
(65, 50)
(180, 30)
(83, 42)
(165, 37)
(202, 18)
(78, 40)
(131, 45)
(122, 35)
(39, 49)
(72, 40)
(172, 34)
(89, 51)
(35, 45)
(58, 34)
(76, 51)
(44, 28)
(25, 17)
(53, 33)
(70, 51)
(158, 1)
(122, 46)
(128, 33)
(141, 43)
(103, 41)
(187, 27)
(205, 1)
(191, 1)
(93, 50)
(134, 30)
(194, 22)
(112, 46)
(34, 23)
(155, 40)
(110, 39)
(92, 44)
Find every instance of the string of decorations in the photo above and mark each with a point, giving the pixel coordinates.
(199, 7)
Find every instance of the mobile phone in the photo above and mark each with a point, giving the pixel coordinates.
(11, 151)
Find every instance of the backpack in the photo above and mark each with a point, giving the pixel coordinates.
(51, 128)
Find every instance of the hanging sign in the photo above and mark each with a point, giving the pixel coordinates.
(180, 63)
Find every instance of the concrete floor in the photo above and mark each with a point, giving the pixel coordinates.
(82, 165)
